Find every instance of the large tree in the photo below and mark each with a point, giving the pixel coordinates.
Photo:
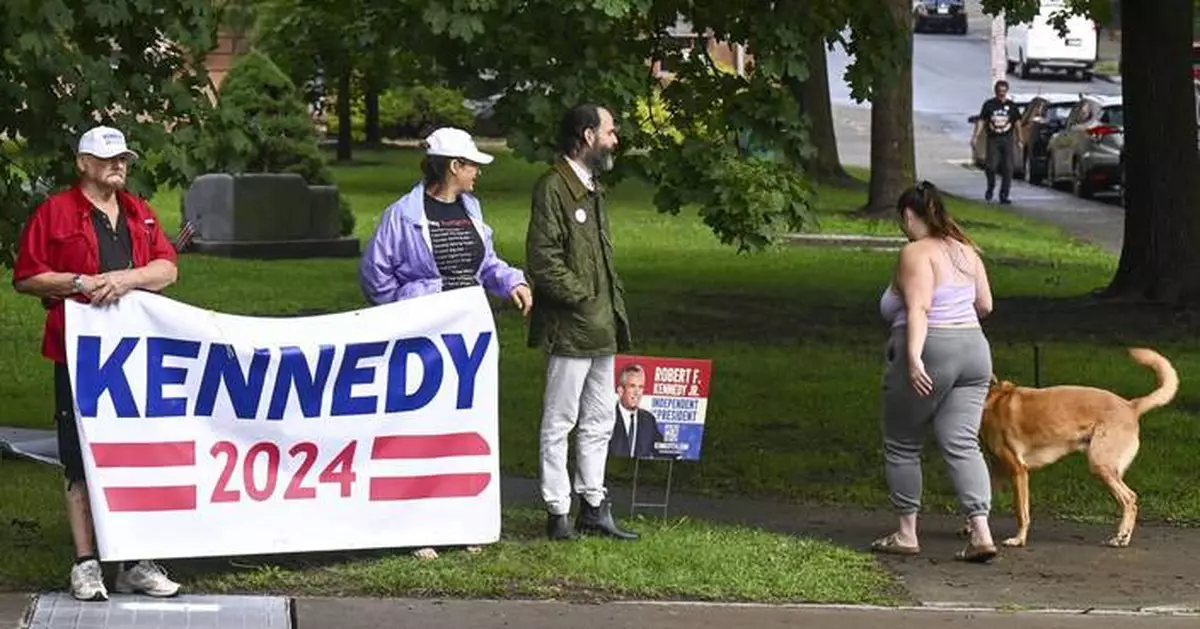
(66, 65)
(886, 80)
(736, 148)
(1160, 255)
(341, 37)
(812, 95)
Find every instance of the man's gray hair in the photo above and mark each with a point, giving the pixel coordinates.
(628, 369)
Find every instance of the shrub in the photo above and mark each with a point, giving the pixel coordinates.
(261, 125)
(409, 112)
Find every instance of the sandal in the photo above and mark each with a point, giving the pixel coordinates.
(976, 554)
(891, 545)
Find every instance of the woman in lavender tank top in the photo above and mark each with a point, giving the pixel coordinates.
(938, 370)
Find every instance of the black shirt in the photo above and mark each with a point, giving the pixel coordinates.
(999, 117)
(116, 246)
(457, 245)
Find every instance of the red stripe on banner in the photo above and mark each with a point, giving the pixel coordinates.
(157, 454)
(421, 487)
(429, 446)
(171, 498)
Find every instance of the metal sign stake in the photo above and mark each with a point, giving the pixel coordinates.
(666, 503)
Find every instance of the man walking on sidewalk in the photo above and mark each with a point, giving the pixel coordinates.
(999, 118)
(578, 319)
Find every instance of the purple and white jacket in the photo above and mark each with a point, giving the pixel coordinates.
(398, 260)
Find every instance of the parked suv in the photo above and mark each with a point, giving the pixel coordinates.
(1086, 153)
(944, 15)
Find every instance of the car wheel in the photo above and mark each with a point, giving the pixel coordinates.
(1082, 188)
(918, 25)
(1023, 67)
(1052, 176)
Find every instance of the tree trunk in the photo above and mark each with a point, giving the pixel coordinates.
(825, 165)
(374, 135)
(1160, 255)
(893, 155)
(345, 137)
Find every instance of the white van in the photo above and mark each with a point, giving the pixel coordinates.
(1038, 45)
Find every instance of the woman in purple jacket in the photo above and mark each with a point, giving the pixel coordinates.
(434, 238)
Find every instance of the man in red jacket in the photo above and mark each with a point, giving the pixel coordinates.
(93, 243)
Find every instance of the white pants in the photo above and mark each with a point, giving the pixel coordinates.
(579, 394)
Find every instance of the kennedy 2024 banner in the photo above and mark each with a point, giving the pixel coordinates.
(661, 407)
(210, 434)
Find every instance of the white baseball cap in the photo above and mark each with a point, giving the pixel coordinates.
(104, 142)
(451, 142)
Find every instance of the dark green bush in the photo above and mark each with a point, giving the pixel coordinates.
(261, 125)
(409, 112)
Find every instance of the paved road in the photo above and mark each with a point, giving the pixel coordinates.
(950, 81)
(951, 76)
(350, 614)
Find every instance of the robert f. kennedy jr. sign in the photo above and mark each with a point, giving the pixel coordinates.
(660, 409)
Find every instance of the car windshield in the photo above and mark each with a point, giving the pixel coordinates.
(1058, 111)
(1114, 115)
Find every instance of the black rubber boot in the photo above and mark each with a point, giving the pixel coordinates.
(558, 527)
(599, 521)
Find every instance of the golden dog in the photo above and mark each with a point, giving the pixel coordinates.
(1027, 429)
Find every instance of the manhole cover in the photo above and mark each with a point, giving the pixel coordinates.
(58, 610)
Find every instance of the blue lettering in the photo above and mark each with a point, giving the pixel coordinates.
(466, 364)
(398, 398)
(294, 369)
(93, 378)
(350, 374)
(158, 375)
(245, 390)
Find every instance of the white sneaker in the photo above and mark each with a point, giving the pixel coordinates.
(87, 582)
(146, 577)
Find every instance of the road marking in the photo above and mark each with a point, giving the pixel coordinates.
(941, 607)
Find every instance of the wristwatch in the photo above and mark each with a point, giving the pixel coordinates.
(77, 283)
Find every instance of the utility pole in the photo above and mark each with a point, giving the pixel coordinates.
(999, 60)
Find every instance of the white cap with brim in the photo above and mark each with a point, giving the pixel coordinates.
(451, 142)
(105, 143)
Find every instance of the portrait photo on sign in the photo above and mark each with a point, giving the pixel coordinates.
(660, 407)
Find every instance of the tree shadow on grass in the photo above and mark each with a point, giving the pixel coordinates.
(1089, 320)
(775, 318)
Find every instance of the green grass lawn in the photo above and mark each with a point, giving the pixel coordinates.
(797, 344)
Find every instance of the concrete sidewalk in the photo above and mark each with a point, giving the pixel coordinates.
(12, 609)
(417, 614)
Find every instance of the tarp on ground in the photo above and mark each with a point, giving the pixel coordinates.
(39, 445)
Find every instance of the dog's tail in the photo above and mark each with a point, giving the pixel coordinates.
(1168, 380)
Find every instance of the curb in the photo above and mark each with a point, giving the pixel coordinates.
(945, 607)
(1108, 78)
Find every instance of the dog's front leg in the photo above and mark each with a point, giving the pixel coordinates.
(1020, 484)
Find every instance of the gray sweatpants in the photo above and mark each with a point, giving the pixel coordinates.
(959, 360)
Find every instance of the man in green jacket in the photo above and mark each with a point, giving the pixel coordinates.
(578, 319)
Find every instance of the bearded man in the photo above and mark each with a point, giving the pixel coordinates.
(578, 319)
